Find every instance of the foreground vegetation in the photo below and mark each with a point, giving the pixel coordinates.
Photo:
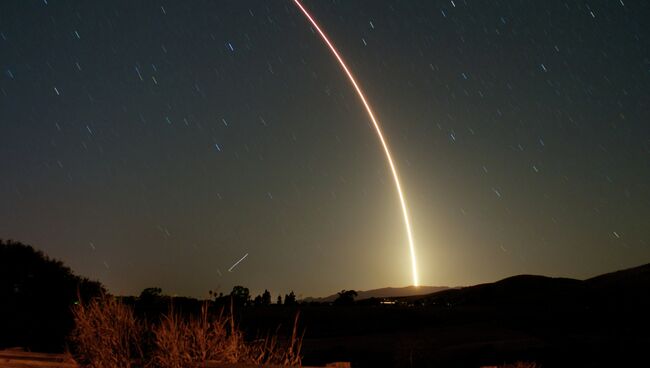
(108, 335)
(599, 322)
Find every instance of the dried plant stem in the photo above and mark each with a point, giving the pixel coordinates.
(107, 335)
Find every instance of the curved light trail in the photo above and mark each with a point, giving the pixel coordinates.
(405, 214)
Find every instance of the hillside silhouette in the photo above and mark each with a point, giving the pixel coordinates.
(36, 294)
(598, 322)
(387, 292)
(628, 286)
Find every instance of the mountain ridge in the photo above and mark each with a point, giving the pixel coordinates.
(386, 292)
(524, 285)
(542, 290)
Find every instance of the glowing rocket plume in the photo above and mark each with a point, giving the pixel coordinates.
(379, 133)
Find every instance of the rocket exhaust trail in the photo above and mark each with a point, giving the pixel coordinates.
(389, 158)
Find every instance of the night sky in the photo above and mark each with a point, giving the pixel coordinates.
(155, 143)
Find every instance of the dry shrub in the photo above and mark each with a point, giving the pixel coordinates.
(106, 334)
(521, 365)
(269, 352)
(182, 343)
(198, 341)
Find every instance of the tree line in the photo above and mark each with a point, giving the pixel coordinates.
(241, 296)
(37, 294)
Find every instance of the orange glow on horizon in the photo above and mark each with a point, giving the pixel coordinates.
(393, 169)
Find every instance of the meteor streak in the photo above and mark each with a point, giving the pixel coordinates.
(389, 158)
(236, 263)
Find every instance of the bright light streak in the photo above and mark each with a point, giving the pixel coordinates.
(236, 263)
(405, 214)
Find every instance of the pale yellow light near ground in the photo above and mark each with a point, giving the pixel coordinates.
(381, 138)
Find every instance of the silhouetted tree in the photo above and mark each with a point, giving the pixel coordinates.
(36, 295)
(346, 297)
(240, 295)
(221, 301)
(266, 297)
(290, 299)
(151, 301)
(279, 300)
(257, 301)
(150, 294)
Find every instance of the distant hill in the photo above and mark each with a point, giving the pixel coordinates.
(387, 292)
(636, 276)
(627, 286)
(602, 321)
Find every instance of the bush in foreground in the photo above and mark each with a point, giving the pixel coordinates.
(107, 334)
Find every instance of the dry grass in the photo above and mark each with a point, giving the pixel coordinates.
(520, 365)
(108, 335)
(199, 341)
(269, 351)
(181, 343)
